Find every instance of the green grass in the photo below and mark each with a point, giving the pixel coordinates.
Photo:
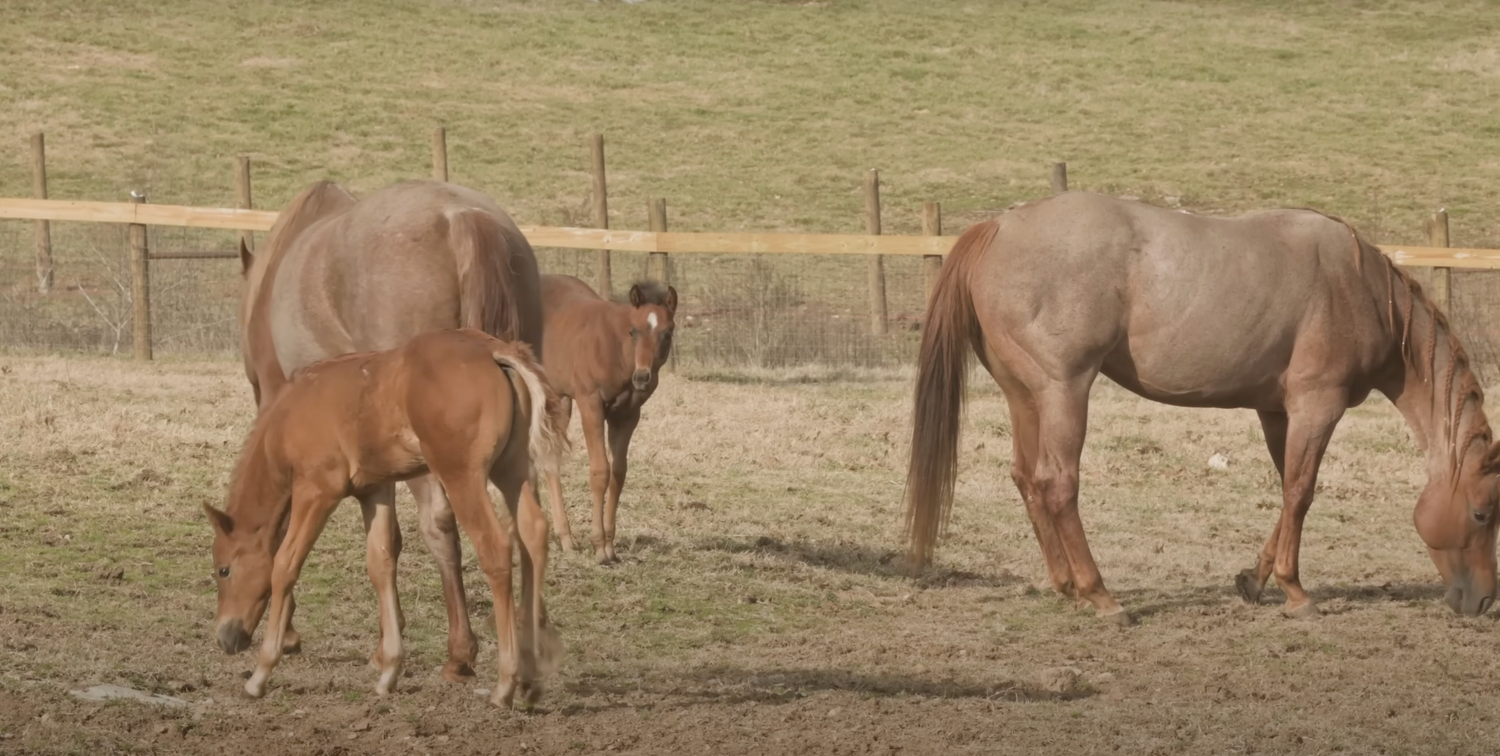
(762, 115)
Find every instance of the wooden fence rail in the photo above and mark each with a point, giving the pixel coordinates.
(671, 242)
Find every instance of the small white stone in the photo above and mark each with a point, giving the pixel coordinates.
(1218, 462)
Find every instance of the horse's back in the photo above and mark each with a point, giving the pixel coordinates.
(393, 266)
(1178, 307)
(559, 292)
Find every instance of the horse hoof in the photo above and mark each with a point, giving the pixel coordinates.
(504, 696)
(291, 643)
(255, 687)
(1118, 617)
(458, 672)
(531, 695)
(1305, 612)
(1249, 589)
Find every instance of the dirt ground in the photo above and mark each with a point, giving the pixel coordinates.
(760, 607)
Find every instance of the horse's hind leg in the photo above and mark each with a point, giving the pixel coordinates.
(1252, 582)
(554, 489)
(1062, 422)
(540, 647)
(1023, 434)
(440, 532)
(382, 548)
(491, 538)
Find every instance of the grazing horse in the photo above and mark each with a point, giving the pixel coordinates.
(1287, 312)
(606, 357)
(462, 405)
(339, 275)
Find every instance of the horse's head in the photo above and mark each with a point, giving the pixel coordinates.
(1457, 520)
(653, 308)
(243, 554)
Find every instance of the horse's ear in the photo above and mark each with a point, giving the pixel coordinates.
(246, 258)
(221, 521)
(637, 297)
(1491, 463)
(671, 302)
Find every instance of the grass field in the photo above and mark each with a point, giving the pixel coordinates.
(760, 607)
(744, 115)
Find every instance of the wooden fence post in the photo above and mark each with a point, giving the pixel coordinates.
(140, 285)
(242, 199)
(1059, 178)
(440, 153)
(44, 269)
(877, 262)
(601, 213)
(1442, 278)
(932, 225)
(659, 267)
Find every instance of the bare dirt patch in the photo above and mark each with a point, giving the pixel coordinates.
(761, 607)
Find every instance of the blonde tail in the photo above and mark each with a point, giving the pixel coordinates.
(549, 431)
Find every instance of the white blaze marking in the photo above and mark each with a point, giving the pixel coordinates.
(651, 319)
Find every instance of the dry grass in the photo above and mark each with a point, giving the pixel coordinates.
(760, 607)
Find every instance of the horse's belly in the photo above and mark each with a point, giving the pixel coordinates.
(1201, 377)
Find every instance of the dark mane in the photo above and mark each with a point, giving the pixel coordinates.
(1452, 379)
(652, 293)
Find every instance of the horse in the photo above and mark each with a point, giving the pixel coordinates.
(339, 274)
(1290, 313)
(459, 404)
(605, 356)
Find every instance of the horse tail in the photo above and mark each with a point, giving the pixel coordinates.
(948, 331)
(483, 248)
(547, 439)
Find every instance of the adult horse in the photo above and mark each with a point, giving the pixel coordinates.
(339, 275)
(1287, 312)
(607, 357)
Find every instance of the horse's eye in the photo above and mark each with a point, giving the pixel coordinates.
(635, 333)
(1482, 516)
(223, 572)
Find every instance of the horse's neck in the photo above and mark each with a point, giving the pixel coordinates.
(260, 493)
(1439, 394)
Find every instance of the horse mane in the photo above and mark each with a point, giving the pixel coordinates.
(253, 469)
(1461, 390)
(653, 292)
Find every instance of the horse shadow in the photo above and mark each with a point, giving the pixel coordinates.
(723, 684)
(1145, 602)
(858, 559)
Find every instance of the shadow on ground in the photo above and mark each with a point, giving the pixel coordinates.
(847, 556)
(725, 684)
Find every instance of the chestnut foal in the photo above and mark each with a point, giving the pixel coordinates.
(605, 356)
(459, 404)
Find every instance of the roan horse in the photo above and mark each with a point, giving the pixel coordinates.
(462, 405)
(606, 356)
(1287, 312)
(339, 275)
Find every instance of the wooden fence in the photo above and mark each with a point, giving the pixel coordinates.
(659, 242)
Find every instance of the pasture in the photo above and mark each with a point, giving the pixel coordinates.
(760, 606)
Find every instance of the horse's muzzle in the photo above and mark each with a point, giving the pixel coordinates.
(232, 636)
(641, 379)
(1466, 603)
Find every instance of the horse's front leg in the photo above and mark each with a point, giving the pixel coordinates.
(382, 548)
(310, 511)
(1311, 419)
(1252, 582)
(622, 425)
(591, 415)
